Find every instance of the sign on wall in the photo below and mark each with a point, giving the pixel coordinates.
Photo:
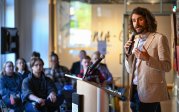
(102, 47)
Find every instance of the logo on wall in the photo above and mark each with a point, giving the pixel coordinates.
(101, 36)
(102, 47)
(102, 40)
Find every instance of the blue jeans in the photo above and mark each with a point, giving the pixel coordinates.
(17, 107)
(30, 107)
(137, 106)
(49, 107)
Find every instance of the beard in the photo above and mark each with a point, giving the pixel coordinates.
(140, 29)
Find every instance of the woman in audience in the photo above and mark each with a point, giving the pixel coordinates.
(39, 93)
(21, 68)
(10, 87)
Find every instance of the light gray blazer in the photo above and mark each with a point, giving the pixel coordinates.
(152, 85)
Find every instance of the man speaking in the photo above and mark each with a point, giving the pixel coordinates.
(147, 63)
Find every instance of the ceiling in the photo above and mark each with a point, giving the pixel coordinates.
(122, 1)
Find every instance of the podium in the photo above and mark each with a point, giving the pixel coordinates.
(95, 99)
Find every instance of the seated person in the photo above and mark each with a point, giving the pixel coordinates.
(39, 93)
(76, 66)
(94, 75)
(10, 87)
(57, 72)
(34, 54)
(21, 68)
(102, 68)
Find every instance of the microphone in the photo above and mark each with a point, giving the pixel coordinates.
(93, 66)
(132, 39)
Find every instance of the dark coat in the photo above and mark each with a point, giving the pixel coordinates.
(75, 69)
(10, 85)
(40, 87)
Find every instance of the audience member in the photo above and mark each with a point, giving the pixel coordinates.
(102, 68)
(21, 68)
(94, 75)
(57, 72)
(39, 93)
(76, 66)
(10, 87)
(34, 54)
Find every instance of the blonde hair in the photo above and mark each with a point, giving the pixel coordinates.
(4, 67)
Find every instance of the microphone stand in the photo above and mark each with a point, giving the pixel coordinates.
(93, 66)
(113, 92)
(120, 95)
(89, 74)
(88, 69)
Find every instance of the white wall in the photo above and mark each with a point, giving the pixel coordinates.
(1, 22)
(9, 13)
(32, 20)
(109, 18)
(6, 20)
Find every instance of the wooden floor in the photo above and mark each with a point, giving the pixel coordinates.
(167, 106)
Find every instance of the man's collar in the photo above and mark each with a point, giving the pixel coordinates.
(144, 36)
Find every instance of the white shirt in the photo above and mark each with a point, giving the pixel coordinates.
(141, 42)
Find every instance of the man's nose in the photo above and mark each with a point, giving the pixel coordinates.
(137, 22)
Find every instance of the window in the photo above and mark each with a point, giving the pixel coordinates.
(9, 13)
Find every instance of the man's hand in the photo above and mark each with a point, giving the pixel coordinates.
(126, 46)
(41, 101)
(143, 55)
(52, 96)
(12, 100)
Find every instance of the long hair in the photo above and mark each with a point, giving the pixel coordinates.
(53, 54)
(150, 19)
(4, 67)
(25, 65)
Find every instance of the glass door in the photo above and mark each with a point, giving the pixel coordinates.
(90, 27)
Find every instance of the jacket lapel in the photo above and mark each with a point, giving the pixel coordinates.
(147, 43)
(149, 40)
